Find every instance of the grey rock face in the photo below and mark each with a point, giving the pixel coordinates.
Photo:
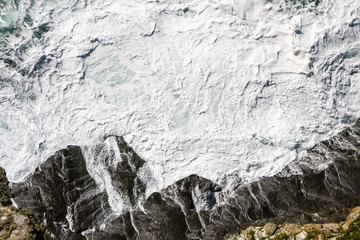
(124, 174)
(62, 187)
(63, 190)
(181, 211)
(321, 187)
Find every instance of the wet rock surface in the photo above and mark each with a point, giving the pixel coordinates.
(193, 207)
(63, 191)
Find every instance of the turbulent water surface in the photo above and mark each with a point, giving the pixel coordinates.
(216, 88)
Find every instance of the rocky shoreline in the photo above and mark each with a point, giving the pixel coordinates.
(76, 208)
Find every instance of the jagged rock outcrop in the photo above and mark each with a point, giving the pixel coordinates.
(173, 213)
(122, 169)
(63, 191)
(321, 187)
(181, 211)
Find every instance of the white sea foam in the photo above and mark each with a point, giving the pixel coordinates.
(206, 87)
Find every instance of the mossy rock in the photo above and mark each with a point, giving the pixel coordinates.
(13, 225)
(18, 224)
(282, 236)
(352, 232)
(313, 234)
(349, 230)
(21, 224)
(270, 228)
(37, 228)
(5, 193)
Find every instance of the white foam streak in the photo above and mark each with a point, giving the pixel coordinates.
(98, 161)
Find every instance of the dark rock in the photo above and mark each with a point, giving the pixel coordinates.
(62, 187)
(124, 174)
(174, 212)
